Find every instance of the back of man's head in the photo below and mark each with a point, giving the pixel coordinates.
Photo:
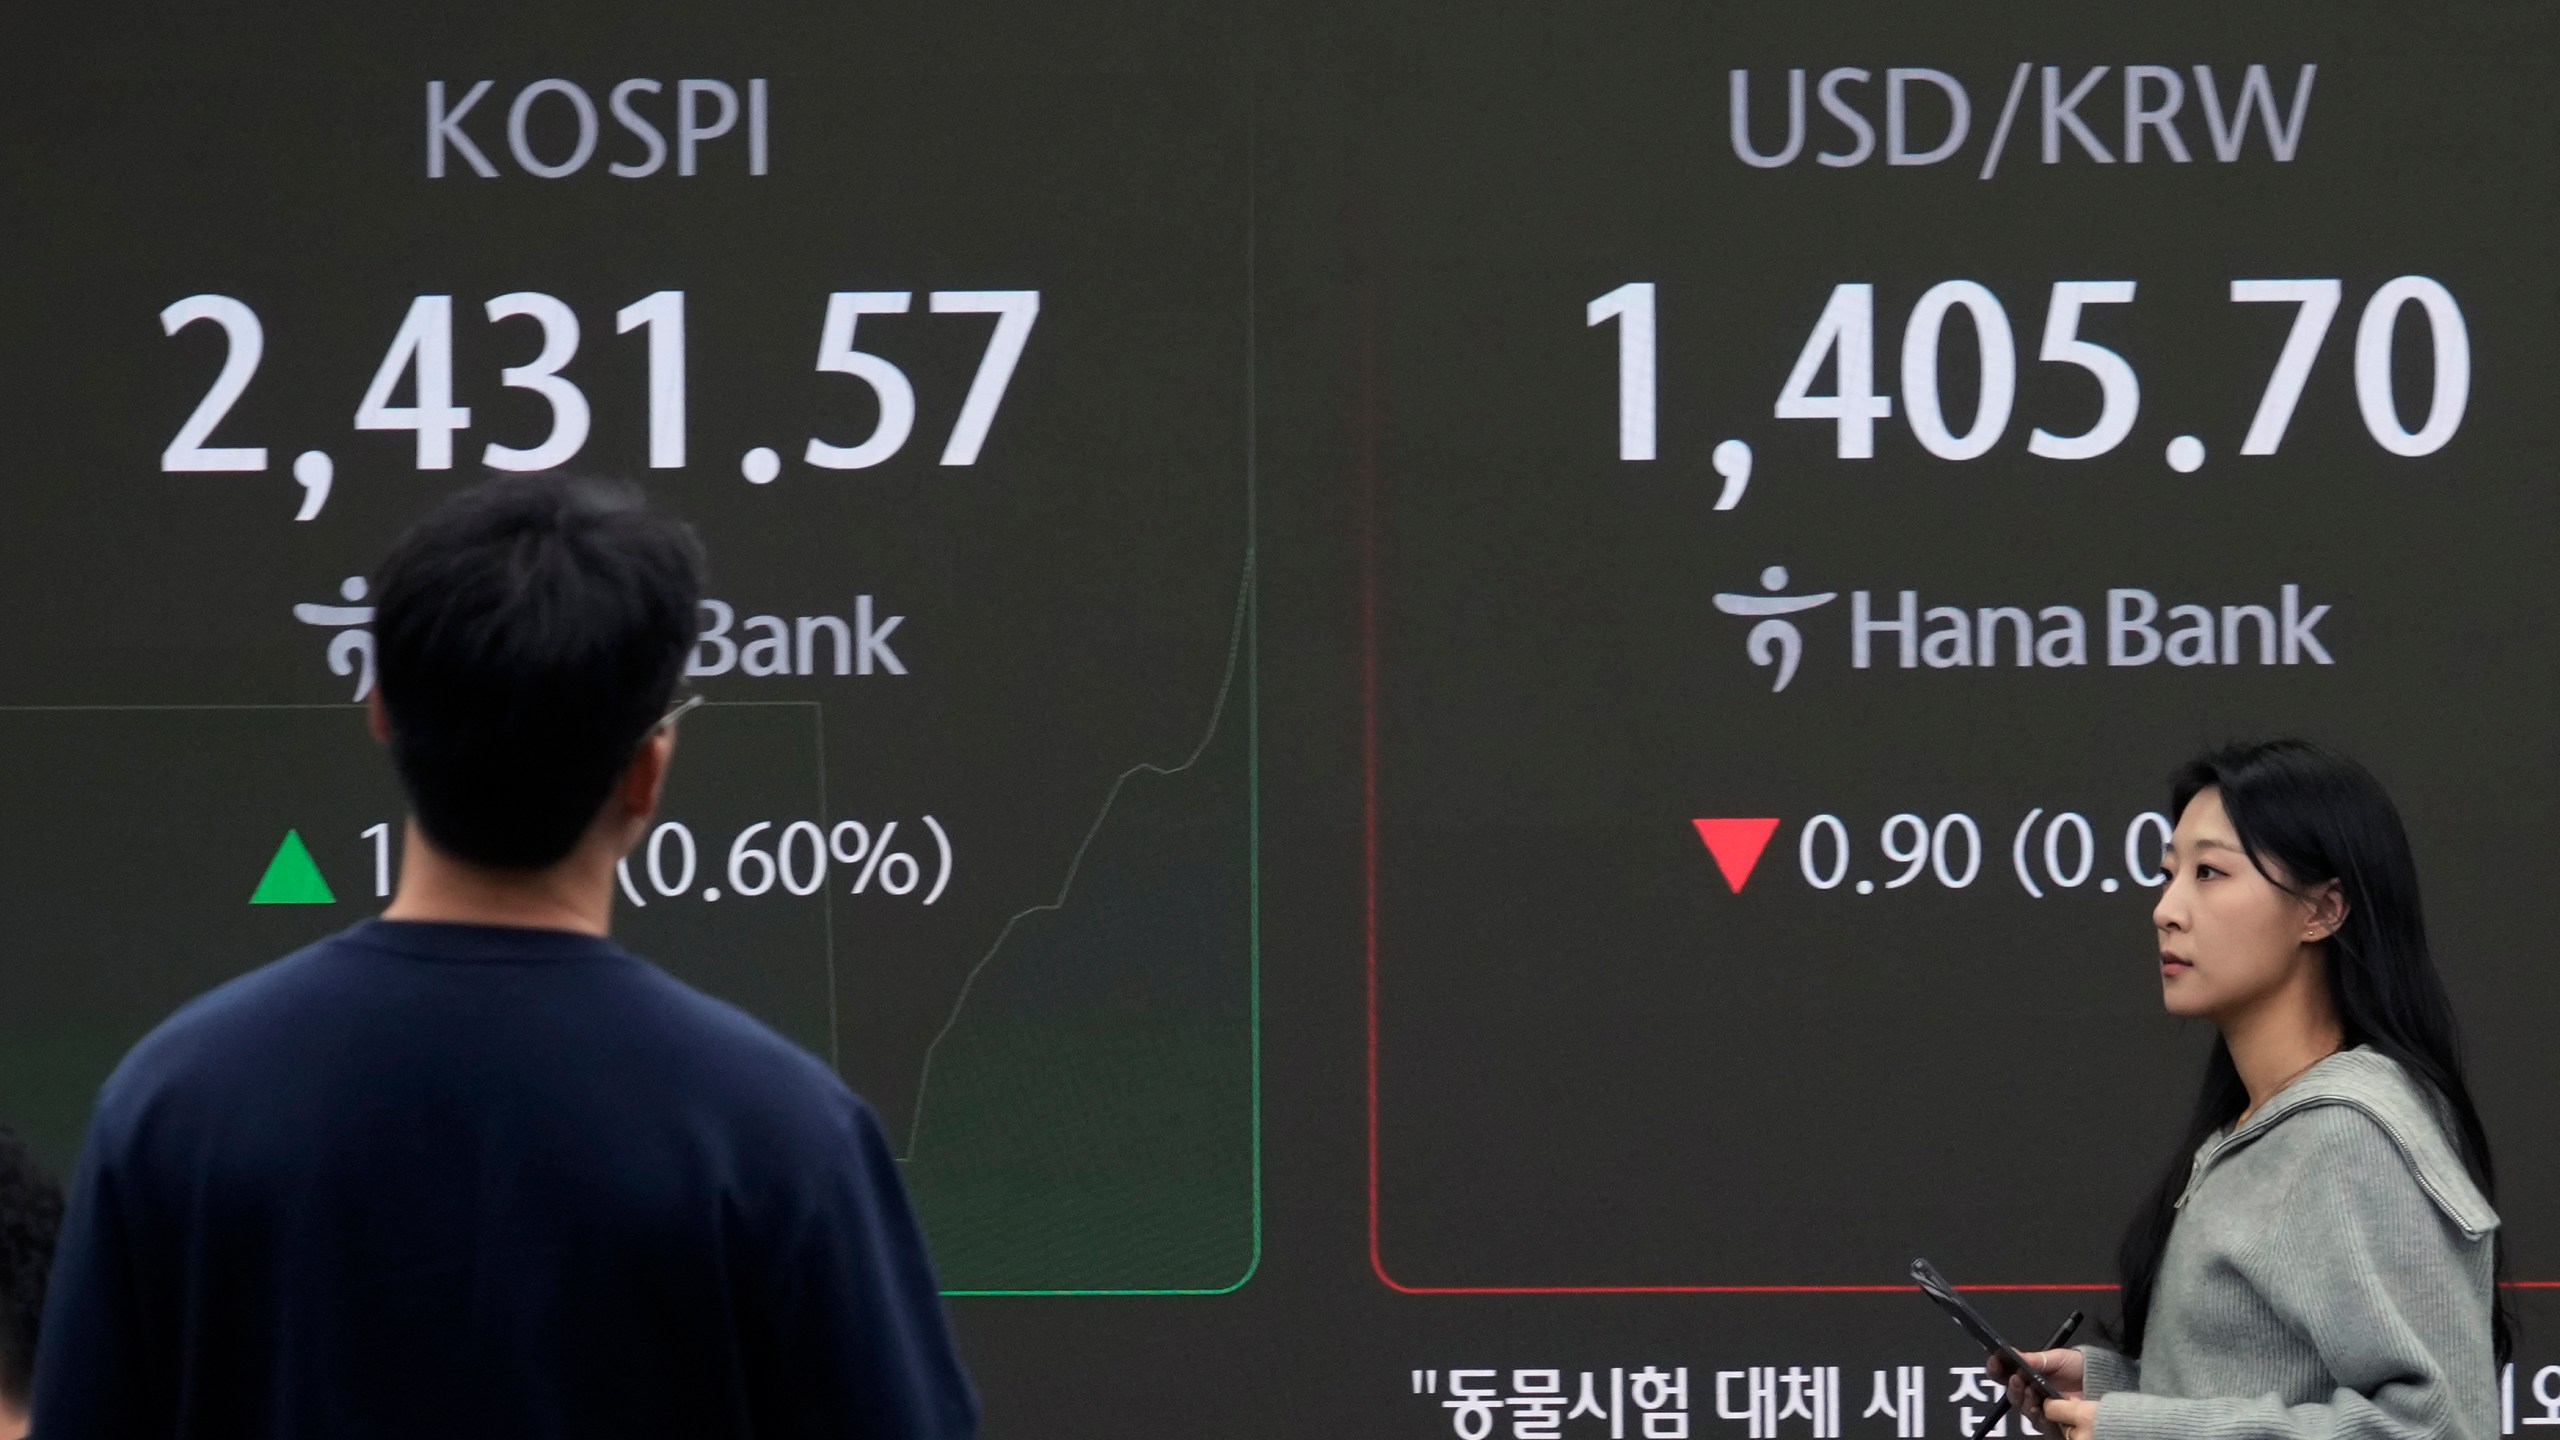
(528, 634)
(30, 1213)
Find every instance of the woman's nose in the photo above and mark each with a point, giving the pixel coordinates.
(2167, 913)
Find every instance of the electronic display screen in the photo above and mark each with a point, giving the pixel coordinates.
(1461, 711)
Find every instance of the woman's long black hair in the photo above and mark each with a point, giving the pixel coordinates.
(2307, 816)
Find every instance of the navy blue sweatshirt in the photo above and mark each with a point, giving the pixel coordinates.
(428, 1179)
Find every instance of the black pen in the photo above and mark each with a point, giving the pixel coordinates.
(2060, 1338)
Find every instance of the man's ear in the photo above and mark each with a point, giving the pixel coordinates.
(377, 719)
(647, 778)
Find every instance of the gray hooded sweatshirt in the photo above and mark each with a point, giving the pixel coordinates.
(2329, 1277)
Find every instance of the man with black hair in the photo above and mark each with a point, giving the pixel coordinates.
(30, 1211)
(470, 1168)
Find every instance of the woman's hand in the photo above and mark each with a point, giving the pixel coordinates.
(2069, 1419)
(2065, 1372)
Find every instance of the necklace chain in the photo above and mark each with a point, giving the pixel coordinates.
(2252, 1112)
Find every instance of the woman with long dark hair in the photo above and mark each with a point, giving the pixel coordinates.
(2319, 1259)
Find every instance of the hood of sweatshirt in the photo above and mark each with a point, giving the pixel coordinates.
(2408, 1111)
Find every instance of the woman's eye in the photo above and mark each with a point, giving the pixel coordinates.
(2206, 872)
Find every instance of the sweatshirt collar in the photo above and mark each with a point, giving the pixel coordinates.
(2367, 1080)
(450, 940)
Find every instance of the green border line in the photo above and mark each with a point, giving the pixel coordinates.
(817, 709)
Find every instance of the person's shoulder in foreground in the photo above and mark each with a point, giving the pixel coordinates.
(472, 1164)
(30, 1211)
(672, 1189)
(396, 1015)
(458, 1002)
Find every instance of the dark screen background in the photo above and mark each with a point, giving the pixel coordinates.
(1317, 707)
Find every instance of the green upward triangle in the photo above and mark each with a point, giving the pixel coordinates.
(292, 878)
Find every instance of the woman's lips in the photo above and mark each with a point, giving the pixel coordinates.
(2172, 965)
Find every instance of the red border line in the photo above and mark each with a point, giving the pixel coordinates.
(1368, 420)
(1369, 724)
(1368, 413)
(1368, 846)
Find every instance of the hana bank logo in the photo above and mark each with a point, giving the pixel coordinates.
(1774, 640)
(2126, 627)
(351, 649)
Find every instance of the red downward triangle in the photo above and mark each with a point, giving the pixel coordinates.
(1736, 844)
